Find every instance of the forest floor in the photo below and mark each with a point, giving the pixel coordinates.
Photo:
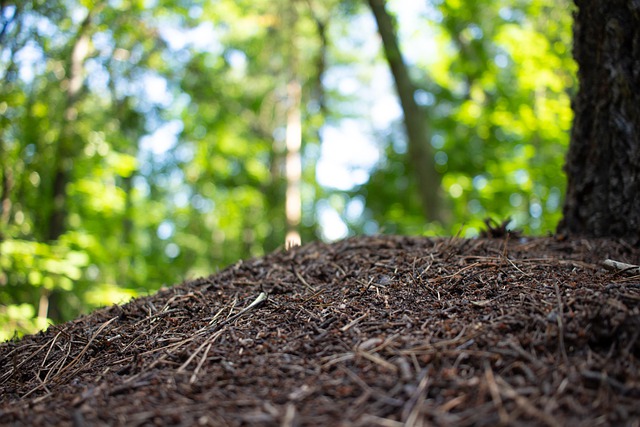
(370, 331)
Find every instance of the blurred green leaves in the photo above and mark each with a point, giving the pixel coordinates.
(178, 134)
(42, 265)
(496, 96)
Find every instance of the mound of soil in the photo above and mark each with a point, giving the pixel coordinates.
(369, 331)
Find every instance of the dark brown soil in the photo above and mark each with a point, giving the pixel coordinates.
(370, 331)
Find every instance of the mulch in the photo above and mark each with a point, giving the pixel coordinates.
(370, 331)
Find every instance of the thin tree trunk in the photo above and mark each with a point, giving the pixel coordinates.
(275, 189)
(293, 136)
(127, 257)
(67, 149)
(293, 165)
(67, 145)
(321, 58)
(603, 163)
(420, 152)
(5, 193)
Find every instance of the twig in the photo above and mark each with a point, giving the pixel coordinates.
(378, 360)
(215, 317)
(11, 372)
(46, 356)
(604, 378)
(367, 388)
(76, 359)
(57, 365)
(256, 302)
(516, 267)
(622, 267)
(560, 325)
(509, 392)
(313, 296)
(193, 355)
(495, 394)
(475, 264)
(353, 322)
(372, 420)
(515, 346)
(411, 409)
(332, 360)
(452, 403)
(85, 349)
(194, 376)
(304, 282)
(289, 419)
(261, 298)
(344, 273)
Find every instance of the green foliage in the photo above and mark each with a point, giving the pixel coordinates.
(174, 143)
(18, 320)
(496, 95)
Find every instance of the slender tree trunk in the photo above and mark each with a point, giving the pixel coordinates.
(321, 20)
(67, 149)
(275, 189)
(603, 163)
(420, 152)
(6, 188)
(67, 145)
(293, 136)
(293, 165)
(127, 257)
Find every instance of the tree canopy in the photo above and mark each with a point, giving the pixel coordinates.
(144, 142)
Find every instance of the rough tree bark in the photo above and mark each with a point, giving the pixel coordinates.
(420, 152)
(603, 163)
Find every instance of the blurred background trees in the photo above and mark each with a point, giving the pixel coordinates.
(144, 142)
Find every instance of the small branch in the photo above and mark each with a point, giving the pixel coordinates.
(525, 404)
(353, 322)
(377, 360)
(604, 378)
(74, 362)
(256, 303)
(194, 376)
(622, 267)
(560, 321)
(193, 355)
(411, 409)
(304, 282)
(495, 394)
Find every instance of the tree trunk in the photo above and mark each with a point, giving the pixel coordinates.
(603, 163)
(67, 149)
(293, 165)
(420, 153)
(293, 136)
(6, 187)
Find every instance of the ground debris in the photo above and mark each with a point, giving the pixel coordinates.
(369, 331)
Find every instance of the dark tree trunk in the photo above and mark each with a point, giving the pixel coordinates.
(420, 152)
(6, 187)
(68, 147)
(67, 143)
(603, 163)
